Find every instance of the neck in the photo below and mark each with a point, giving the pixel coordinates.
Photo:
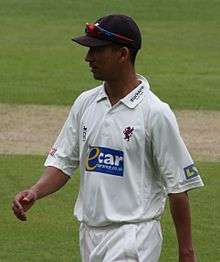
(118, 88)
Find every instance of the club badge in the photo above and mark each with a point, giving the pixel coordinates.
(128, 132)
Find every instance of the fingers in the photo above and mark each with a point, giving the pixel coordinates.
(30, 197)
(22, 202)
(18, 210)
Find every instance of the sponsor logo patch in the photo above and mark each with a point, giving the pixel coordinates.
(191, 171)
(105, 160)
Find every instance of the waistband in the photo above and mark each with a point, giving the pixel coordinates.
(118, 224)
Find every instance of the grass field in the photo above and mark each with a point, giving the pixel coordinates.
(50, 234)
(180, 53)
(40, 65)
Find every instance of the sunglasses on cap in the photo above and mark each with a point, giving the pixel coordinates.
(94, 30)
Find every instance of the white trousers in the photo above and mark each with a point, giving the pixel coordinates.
(140, 242)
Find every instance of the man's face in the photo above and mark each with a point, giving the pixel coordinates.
(104, 62)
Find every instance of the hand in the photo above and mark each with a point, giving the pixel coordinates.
(22, 202)
(187, 257)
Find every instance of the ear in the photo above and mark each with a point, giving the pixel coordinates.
(124, 55)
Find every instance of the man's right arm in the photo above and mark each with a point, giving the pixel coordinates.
(52, 180)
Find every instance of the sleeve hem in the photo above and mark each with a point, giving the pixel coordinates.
(66, 171)
(184, 188)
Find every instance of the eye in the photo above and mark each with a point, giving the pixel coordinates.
(92, 50)
(99, 49)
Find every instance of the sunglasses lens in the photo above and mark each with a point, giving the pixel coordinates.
(96, 31)
(91, 30)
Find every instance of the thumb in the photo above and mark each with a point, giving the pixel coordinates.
(30, 197)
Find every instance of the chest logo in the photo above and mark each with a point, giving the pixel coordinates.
(84, 133)
(128, 132)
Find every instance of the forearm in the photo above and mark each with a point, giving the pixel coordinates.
(51, 181)
(180, 210)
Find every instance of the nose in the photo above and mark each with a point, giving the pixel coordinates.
(89, 56)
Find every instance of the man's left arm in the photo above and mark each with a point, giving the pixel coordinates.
(181, 214)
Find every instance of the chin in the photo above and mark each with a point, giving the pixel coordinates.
(98, 77)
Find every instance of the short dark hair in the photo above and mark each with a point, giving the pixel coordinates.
(133, 54)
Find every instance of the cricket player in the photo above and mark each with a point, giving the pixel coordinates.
(131, 156)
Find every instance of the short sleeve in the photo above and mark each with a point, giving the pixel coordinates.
(64, 154)
(170, 154)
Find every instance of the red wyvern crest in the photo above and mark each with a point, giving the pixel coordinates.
(128, 131)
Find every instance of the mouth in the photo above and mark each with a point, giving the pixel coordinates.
(93, 68)
(92, 65)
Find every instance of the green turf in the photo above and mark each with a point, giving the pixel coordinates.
(205, 216)
(180, 53)
(50, 234)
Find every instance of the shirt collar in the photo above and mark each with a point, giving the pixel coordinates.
(136, 95)
(102, 94)
(133, 98)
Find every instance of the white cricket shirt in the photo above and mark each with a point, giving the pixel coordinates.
(131, 155)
